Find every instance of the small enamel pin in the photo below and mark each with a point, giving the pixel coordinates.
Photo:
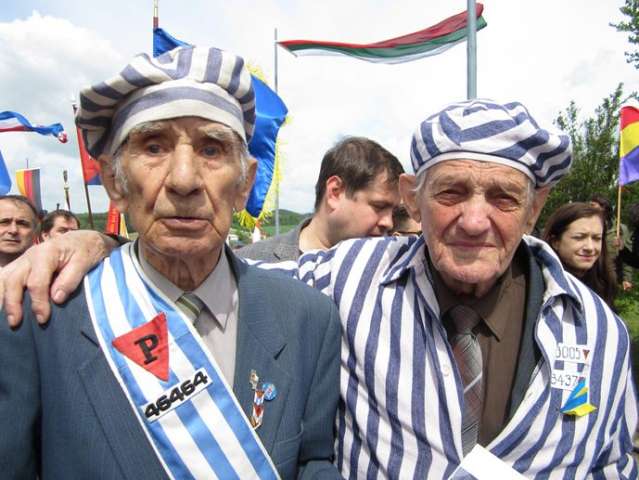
(577, 403)
(266, 392)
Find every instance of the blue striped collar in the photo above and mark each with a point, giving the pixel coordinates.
(408, 254)
(558, 281)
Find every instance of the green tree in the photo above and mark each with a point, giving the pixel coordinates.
(631, 26)
(595, 149)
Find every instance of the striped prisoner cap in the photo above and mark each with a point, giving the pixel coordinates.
(187, 81)
(492, 132)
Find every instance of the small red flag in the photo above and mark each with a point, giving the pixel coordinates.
(147, 346)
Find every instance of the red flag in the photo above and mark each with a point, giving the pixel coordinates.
(90, 166)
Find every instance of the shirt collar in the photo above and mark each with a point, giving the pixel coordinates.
(410, 256)
(218, 291)
(491, 307)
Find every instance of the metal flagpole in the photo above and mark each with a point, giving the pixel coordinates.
(67, 198)
(156, 20)
(471, 48)
(277, 186)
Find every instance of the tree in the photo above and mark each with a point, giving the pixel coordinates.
(595, 150)
(631, 26)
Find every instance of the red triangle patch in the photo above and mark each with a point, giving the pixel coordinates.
(147, 346)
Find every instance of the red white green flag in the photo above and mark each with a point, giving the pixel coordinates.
(424, 43)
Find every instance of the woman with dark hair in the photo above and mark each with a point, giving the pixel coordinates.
(576, 231)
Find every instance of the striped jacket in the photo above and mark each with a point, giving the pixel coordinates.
(401, 395)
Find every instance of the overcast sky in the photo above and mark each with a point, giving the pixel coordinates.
(542, 53)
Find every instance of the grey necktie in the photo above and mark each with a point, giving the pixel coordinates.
(467, 354)
(191, 305)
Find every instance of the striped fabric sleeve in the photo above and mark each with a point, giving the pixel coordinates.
(617, 460)
(315, 270)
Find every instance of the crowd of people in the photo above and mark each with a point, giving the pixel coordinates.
(408, 328)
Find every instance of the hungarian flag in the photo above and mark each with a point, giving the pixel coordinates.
(14, 122)
(28, 181)
(424, 43)
(115, 223)
(629, 144)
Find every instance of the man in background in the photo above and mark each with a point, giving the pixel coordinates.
(57, 223)
(18, 222)
(403, 224)
(355, 194)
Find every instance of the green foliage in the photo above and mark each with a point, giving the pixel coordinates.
(99, 221)
(631, 26)
(627, 304)
(595, 149)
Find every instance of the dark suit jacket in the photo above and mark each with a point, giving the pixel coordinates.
(276, 249)
(64, 416)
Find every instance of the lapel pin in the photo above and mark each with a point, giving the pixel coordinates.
(253, 379)
(270, 392)
(577, 403)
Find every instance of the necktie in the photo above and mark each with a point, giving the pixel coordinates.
(191, 305)
(467, 353)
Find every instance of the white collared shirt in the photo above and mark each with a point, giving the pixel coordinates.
(217, 324)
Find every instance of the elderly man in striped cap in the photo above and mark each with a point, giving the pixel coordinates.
(469, 351)
(174, 359)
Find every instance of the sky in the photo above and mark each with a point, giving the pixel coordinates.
(543, 53)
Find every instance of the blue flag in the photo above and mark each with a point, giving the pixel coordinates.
(270, 113)
(5, 180)
(14, 122)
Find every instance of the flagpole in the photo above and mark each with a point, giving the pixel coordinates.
(471, 49)
(156, 21)
(277, 185)
(618, 214)
(66, 189)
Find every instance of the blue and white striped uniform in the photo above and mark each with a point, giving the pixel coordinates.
(401, 395)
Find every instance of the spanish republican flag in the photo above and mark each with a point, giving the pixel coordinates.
(629, 144)
(28, 181)
(115, 222)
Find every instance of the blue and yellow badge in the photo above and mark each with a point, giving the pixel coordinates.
(577, 403)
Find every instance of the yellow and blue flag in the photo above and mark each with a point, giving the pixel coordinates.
(270, 113)
(5, 180)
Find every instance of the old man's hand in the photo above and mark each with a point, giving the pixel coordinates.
(70, 256)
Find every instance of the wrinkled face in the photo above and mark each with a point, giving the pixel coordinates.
(183, 181)
(61, 225)
(17, 227)
(473, 216)
(579, 246)
(367, 212)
